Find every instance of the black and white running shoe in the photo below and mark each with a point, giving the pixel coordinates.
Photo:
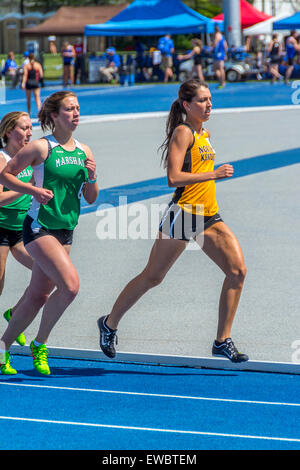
(107, 338)
(229, 350)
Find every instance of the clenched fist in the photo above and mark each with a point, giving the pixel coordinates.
(224, 171)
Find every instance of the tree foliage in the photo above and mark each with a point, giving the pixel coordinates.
(207, 8)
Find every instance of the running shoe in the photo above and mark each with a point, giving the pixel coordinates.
(21, 340)
(229, 350)
(5, 366)
(107, 338)
(39, 355)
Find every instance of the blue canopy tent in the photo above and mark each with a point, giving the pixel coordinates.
(153, 18)
(292, 22)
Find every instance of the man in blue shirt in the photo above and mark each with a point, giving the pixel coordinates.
(111, 67)
(166, 47)
(220, 50)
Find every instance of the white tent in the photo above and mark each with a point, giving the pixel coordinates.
(264, 27)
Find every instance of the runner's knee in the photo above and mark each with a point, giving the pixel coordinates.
(70, 288)
(36, 299)
(238, 273)
(153, 279)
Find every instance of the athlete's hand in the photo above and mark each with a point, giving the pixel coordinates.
(90, 165)
(43, 195)
(224, 171)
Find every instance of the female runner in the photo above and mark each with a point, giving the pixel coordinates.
(15, 133)
(192, 214)
(63, 170)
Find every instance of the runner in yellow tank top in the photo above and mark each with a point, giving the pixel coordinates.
(189, 159)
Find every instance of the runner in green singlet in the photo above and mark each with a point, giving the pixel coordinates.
(15, 133)
(63, 170)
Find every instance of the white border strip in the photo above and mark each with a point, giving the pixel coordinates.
(135, 428)
(158, 114)
(168, 360)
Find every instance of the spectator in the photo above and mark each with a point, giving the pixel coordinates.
(274, 52)
(220, 49)
(297, 61)
(107, 73)
(260, 51)
(139, 56)
(31, 82)
(21, 69)
(79, 61)
(25, 58)
(10, 69)
(155, 55)
(196, 55)
(68, 54)
(166, 47)
(52, 45)
(292, 47)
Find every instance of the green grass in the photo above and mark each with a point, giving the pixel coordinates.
(52, 65)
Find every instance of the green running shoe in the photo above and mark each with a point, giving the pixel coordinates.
(39, 354)
(21, 340)
(5, 366)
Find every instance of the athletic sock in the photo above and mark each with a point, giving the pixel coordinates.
(106, 326)
(2, 356)
(36, 343)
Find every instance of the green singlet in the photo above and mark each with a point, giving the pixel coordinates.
(12, 215)
(63, 172)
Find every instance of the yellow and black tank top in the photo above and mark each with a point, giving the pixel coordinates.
(198, 198)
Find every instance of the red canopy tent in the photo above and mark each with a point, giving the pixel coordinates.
(249, 15)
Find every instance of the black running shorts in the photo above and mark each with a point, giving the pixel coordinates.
(181, 225)
(10, 237)
(33, 231)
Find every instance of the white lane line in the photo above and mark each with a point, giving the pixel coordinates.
(155, 395)
(136, 428)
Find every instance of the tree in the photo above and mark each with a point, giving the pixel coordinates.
(209, 8)
(295, 5)
(51, 5)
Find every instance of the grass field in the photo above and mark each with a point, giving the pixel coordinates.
(52, 64)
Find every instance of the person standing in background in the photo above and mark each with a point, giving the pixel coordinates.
(275, 52)
(220, 49)
(292, 47)
(79, 69)
(166, 47)
(32, 76)
(52, 45)
(68, 55)
(195, 54)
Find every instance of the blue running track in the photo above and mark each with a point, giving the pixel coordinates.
(98, 405)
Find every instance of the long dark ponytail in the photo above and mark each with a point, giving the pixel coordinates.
(177, 114)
